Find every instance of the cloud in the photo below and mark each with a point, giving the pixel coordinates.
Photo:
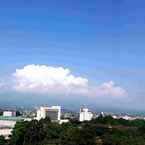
(3, 85)
(59, 80)
(109, 88)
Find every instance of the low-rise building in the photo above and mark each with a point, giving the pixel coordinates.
(9, 113)
(7, 124)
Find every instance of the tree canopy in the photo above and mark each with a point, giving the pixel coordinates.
(100, 131)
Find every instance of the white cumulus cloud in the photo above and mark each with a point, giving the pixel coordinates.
(59, 80)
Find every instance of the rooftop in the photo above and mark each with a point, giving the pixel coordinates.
(11, 118)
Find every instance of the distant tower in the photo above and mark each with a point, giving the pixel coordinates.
(85, 114)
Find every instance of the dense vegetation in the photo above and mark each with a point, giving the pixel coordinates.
(100, 131)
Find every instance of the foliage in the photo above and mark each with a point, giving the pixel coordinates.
(2, 141)
(100, 131)
(18, 133)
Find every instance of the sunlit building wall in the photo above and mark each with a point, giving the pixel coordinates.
(85, 115)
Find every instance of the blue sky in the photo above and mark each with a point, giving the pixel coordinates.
(99, 40)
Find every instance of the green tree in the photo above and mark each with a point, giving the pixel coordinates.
(18, 133)
(2, 140)
(32, 134)
(78, 136)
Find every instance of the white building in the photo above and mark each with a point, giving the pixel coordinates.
(53, 112)
(63, 121)
(6, 127)
(85, 115)
(6, 132)
(9, 113)
(7, 123)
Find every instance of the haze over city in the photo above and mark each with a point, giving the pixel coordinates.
(73, 53)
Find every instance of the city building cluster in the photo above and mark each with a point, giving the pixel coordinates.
(8, 118)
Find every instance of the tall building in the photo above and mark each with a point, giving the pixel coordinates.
(53, 112)
(85, 115)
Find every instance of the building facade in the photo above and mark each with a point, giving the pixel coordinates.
(53, 112)
(7, 124)
(9, 113)
(85, 115)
